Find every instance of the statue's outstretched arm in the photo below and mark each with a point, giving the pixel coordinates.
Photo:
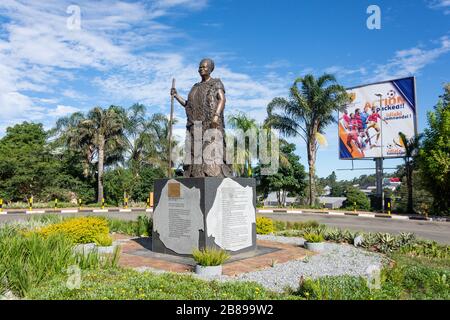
(175, 94)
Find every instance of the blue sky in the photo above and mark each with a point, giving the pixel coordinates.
(126, 52)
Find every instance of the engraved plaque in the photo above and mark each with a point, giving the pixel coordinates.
(174, 190)
(232, 215)
(178, 217)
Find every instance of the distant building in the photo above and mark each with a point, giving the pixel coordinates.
(332, 202)
(272, 200)
(389, 183)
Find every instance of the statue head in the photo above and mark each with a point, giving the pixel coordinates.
(206, 67)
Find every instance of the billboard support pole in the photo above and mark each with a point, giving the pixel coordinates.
(379, 175)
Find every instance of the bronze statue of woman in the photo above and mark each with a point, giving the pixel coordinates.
(205, 106)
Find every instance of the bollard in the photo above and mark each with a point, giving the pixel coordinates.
(56, 204)
(79, 204)
(148, 203)
(103, 203)
(354, 207)
(125, 202)
(151, 200)
(30, 203)
(1, 205)
(389, 208)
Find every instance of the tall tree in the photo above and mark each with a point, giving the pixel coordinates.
(411, 146)
(68, 137)
(434, 157)
(290, 177)
(105, 128)
(308, 111)
(240, 121)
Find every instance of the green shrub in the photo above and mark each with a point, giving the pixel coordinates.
(429, 249)
(122, 226)
(144, 226)
(103, 240)
(28, 261)
(279, 225)
(264, 225)
(334, 288)
(210, 256)
(79, 230)
(313, 237)
(355, 196)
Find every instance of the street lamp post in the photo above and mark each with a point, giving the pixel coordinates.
(379, 161)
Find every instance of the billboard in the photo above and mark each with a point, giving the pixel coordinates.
(370, 125)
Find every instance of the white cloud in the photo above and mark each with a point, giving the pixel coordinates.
(282, 63)
(440, 4)
(38, 52)
(62, 110)
(343, 72)
(410, 61)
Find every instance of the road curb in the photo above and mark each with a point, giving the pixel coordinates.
(343, 213)
(258, 211)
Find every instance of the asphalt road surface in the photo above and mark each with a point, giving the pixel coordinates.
(438, 231)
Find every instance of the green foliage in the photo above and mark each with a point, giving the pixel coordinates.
(103, 240)
(422, 199)
(434, 157)
(290, 178)
(264, 225)
(410, 278)
(334, 288)
(29, 261)
(428, 249)
(29, 167)
(210, 256)
(126, 284)
(80, 230)
(240, 121)
(356, 197)
(309, 110)
(313, 237)
(299, 225)
(142, 227)
(137, 188)
(116, 183)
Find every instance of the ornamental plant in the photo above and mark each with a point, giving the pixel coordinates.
(209, 257)
(80, 230)
(264, 225)
(313, 237)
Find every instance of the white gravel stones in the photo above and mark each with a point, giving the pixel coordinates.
(335, 260)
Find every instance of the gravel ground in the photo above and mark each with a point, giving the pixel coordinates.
(336, 259)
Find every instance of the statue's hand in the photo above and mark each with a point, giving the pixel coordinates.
(173, 92)
(215, 122)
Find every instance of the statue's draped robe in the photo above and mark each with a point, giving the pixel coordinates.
(202, 106)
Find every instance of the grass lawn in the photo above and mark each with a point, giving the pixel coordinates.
(126, 284)
(34, 267)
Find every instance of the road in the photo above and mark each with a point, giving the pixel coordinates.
(438, 231)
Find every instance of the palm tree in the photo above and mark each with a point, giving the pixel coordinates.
(411, 148)
(307, 112)
(105, 129)
(158, 127)
(241, 122)
(68, 137)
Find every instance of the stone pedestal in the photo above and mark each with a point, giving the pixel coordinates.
(192, 213)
